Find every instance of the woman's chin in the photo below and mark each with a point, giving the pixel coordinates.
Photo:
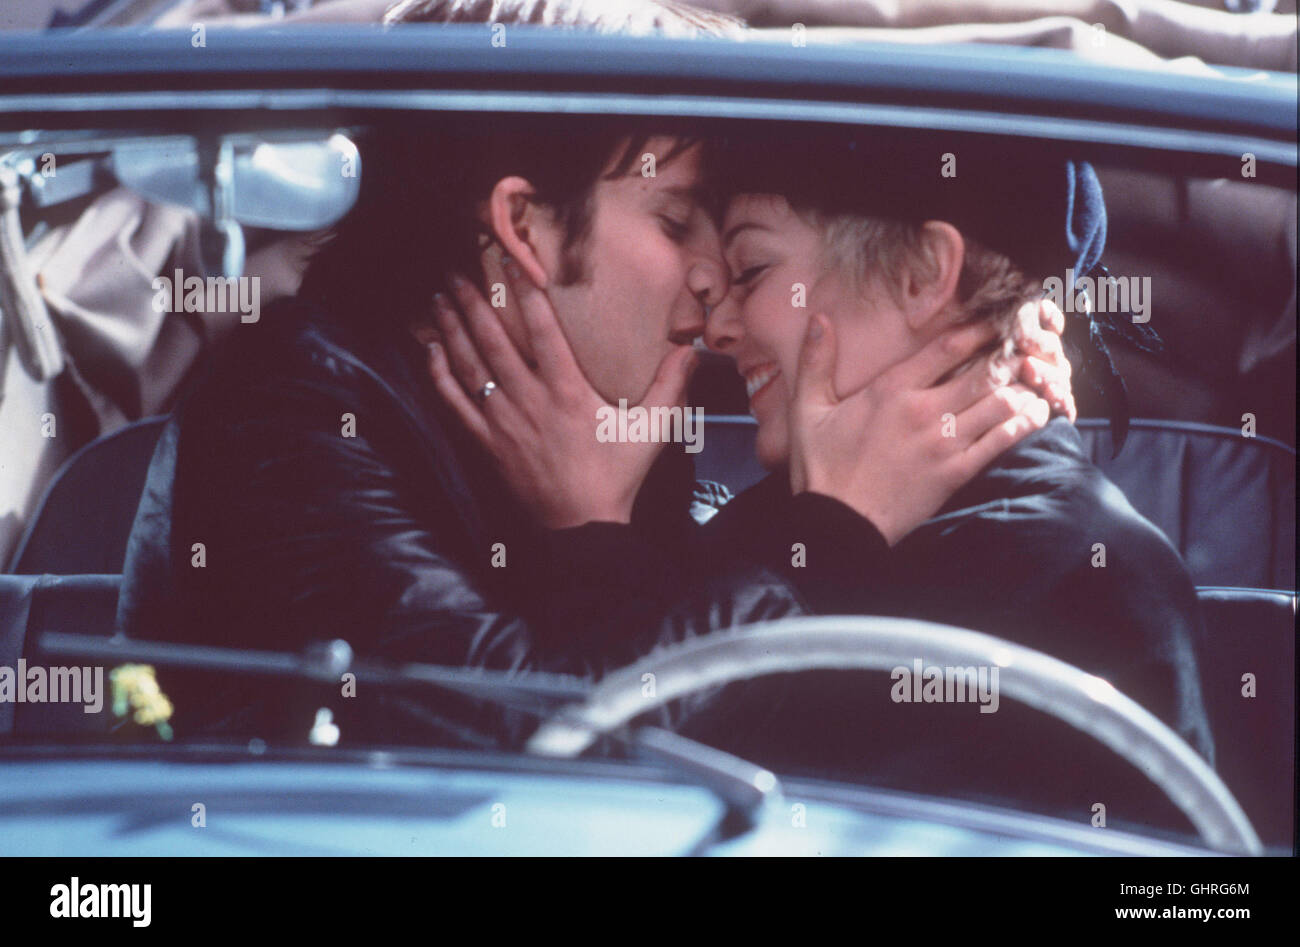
(770, 455)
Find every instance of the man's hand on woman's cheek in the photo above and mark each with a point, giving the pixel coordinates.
(895, 450)
(1043, 367)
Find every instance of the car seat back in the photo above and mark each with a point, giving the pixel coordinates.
(1248, 676)
(81, 525)
(1226, 502)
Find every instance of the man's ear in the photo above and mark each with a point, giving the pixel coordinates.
(930, 280)
(518, 224)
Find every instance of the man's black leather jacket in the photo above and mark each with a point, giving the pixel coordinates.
(311, 488)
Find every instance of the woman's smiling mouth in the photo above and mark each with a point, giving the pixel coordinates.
(757, 379)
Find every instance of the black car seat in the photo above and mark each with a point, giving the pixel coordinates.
(1252, 632)
(1226, 501)
(81, 525)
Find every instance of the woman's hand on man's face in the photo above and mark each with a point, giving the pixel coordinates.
(898, 448)
(540, 424)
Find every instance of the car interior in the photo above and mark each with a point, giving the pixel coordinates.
(1225, 498)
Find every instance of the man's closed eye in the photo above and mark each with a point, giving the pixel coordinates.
(675, 230)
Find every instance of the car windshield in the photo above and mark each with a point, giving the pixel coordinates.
(898, 400)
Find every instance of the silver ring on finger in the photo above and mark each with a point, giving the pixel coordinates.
(485, 392)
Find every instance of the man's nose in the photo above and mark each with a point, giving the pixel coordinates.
(707, 281)
(722, 330)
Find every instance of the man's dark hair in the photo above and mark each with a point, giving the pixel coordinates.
(417, 217)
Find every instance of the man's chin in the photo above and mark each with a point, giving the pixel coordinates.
(632, 400)
(638, 391)
(770, 456)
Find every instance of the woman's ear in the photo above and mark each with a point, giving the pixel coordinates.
(517, 223)
(930, 281)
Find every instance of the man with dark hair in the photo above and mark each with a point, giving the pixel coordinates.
(268, 522)
(331, 497)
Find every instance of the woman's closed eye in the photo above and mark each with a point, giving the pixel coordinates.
(750, 274)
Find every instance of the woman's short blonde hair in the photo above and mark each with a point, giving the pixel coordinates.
(874, 254)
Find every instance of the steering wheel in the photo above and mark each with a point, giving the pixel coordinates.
(1084, 701)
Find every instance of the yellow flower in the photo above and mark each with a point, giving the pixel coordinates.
(135, 686)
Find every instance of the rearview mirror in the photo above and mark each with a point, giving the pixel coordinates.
(243, 180)
(296, 185)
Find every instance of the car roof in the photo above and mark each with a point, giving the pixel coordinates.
(1047, 94)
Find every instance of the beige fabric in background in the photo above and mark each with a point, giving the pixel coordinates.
(1169, 29)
